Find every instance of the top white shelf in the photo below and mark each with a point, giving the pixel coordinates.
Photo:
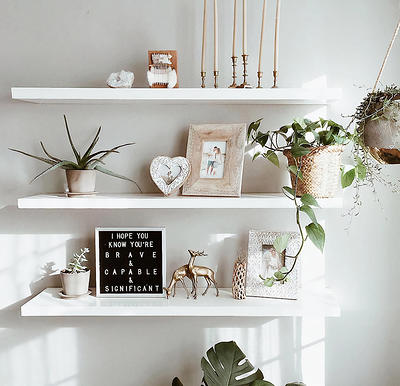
(261, 96)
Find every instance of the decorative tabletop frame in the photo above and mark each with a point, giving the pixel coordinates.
(232, 137)
(254, 284)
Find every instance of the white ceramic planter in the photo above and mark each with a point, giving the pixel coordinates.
(75, 284)
(81, 181)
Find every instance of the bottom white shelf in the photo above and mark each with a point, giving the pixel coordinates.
(310, 303)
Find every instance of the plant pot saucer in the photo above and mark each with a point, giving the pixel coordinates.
(71, 194)
(64, 296)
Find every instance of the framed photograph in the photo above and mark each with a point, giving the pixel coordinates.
(130, 262)
(264, 260)
(216, 154)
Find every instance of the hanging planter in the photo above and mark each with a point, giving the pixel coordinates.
(378, 124)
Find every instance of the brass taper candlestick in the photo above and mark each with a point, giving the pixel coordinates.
(245, 84)
(234, 64)
(259, 76)
(216, 74)
(275, 75)
(203, 79)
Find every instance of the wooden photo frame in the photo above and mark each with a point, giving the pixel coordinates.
(216, 153)
(130, 262)
(259, 262)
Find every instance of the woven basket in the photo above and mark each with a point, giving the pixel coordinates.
(321, 169)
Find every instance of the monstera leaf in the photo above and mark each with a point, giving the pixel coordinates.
(176, 382)
(223, 369)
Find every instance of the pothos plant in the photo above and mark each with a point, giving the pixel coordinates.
(300, 138)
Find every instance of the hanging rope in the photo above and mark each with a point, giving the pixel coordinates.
(386, 56)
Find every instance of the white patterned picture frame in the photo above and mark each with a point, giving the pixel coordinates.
(254, 285)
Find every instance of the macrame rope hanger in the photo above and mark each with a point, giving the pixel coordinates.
(386, 56)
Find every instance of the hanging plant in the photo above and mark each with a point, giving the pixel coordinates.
(313, 150)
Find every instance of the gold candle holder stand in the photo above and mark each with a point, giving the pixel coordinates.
(275, 75)
(259, 76)
(244, 84)
(216, 74)
(234, 76)
(203, 79)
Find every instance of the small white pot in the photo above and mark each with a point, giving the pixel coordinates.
(75, 284)
(81, 181)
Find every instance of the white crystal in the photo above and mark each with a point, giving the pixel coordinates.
(122, 79)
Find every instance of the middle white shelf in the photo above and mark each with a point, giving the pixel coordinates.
(157, 201)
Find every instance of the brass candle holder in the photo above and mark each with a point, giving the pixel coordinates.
(234, 76)
(216, 74)
(244, 84)
(275, 75)
(259, 76)
(203, 79)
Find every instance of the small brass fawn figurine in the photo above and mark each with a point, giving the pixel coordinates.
(199, 271)
(179, 275)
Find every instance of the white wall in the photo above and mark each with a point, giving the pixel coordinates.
(78, 43)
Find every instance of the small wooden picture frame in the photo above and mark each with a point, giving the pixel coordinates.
(216, 153)
(174, 65)
(130, 262)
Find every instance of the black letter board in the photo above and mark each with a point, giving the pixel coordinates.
(130, 262)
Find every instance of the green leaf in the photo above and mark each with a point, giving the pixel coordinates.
(256, 155)
(297, 172)
(271, 156)
(261, 382)
(221, 367)
(47, 153)
(310, 212)
(113, 150)
(317, 235)
(284, 270)
(61, 164)
(176, 382)
(269, 282)
(361, 171)
(348, 177)
(279, 275)
(299, 151)
(289, 190)
(77, 156)
(45, 160)
(112, 174)
(308, 199)
(253, 127)
(91, 146)
(281, 242)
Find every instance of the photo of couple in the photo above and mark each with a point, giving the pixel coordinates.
(213, 159)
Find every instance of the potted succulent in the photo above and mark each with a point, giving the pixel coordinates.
(81, 173)
(226, 364)
(75, 277)
(313, 150)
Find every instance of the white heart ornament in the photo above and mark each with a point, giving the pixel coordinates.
(169, 174)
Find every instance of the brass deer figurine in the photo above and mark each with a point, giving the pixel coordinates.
(199, 271)
(179, 276)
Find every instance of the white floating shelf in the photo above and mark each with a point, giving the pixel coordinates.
(155, 201)
(48, 303)
(177, 95)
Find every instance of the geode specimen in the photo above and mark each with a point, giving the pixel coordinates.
(122, 79)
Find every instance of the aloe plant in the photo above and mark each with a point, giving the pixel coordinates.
(87, 161)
